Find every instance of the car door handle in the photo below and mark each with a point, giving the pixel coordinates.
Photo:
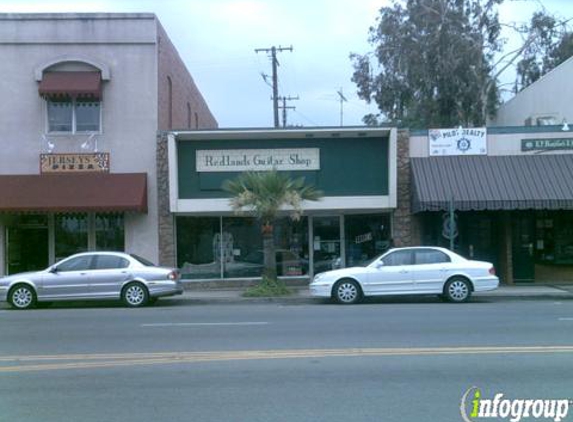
(404, 271)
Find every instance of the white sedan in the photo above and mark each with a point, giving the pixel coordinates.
(406, 271)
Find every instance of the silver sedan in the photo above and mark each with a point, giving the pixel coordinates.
(92, 275)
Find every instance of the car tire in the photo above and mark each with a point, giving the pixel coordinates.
(458, 290)
(22, 296)
(135, 295)
(347, 292)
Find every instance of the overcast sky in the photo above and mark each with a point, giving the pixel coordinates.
(217, 40)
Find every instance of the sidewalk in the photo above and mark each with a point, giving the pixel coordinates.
(301, 294)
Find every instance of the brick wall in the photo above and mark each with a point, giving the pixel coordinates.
(406, 230)
(184, 91)
(167, 247)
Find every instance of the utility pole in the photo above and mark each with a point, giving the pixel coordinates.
(275, 63)
(284, 107)
(342, 100)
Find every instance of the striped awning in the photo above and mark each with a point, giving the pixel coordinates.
(542, 182)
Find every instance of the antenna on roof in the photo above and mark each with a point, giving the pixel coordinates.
(342, 100)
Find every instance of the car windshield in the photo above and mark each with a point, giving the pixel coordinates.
(371, 261)
(142, 260)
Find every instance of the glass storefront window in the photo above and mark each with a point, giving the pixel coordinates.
(326, 244)
(291, 247)
(109, 232)
(198, 252)
(26, 243)
(240, 247)
(554, 239)
(367, 236)
(202, 247)
(71, 234)
(232, 247)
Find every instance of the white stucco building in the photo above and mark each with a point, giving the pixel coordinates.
(545, 102)
(84, 98)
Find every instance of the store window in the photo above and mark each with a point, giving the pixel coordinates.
(198, 250)
(240, 247)
(232, 247)
(367, 236)
(554, 239)
(71, 234)
(109, 232)
(291, 247)
(73, 115)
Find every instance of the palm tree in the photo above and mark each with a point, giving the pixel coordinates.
(264, 195)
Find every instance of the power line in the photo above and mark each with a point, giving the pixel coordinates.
(275, 63)
(285, 107)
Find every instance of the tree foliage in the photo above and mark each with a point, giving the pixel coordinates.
(265, 195)
(549, 43)
(431, 65)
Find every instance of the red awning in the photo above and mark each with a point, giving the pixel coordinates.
(100, 192)
(71, 84)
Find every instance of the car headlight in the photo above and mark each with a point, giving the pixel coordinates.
(318, 277)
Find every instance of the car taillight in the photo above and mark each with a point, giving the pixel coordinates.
(173, 275)
(492, 270)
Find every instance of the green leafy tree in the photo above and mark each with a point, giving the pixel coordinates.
(432, 62)
(549, 43)
(266, 195)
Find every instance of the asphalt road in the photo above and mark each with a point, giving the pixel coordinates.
(391, 360)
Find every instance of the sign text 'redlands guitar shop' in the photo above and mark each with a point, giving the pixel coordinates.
(239, 160)
(74, 163)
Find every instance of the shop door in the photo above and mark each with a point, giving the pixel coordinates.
(326, 244)
(523, 249)
(27, 244)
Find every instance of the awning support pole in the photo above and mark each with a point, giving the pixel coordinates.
(452, 223)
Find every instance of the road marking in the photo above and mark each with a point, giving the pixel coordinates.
(566, 319)
(202, 324)
(92, 361)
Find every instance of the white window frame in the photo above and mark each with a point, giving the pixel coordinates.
(73, 131)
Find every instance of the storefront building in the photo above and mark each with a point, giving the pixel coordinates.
(508, 192)
(84, 97)
(355, 168)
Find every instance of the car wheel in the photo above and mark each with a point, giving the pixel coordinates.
(457, 290)
(134, 295)
(347, 292)
(22, 296)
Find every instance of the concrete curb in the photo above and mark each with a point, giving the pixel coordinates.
(302, 296)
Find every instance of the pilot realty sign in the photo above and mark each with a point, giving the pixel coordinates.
(239, 160)
(468, 141)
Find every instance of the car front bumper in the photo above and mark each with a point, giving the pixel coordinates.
(320, 289)
(3, 293)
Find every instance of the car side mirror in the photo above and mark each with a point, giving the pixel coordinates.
(54, 270)
(379, 264)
